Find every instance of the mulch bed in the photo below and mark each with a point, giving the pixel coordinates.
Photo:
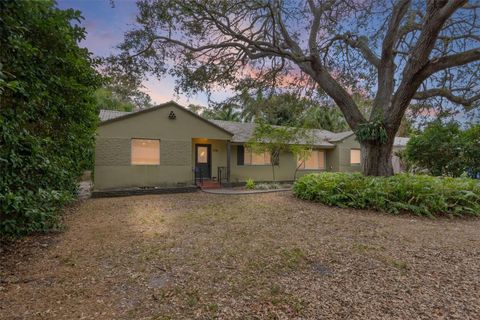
(265, 256)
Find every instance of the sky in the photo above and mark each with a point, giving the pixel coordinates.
(105, 26)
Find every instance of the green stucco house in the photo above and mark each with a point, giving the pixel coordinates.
(170, 146)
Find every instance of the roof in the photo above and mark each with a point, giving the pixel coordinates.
(107, 116)
(111, 114)
(339, 136)
(243, 131)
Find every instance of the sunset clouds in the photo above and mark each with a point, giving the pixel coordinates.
(105, 27)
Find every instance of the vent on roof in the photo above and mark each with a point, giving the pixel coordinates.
(172, 115)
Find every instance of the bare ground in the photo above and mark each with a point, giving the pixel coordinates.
(264, 256)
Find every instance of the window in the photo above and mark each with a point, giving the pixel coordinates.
(315, 161)
(253, 158)
(145, 151)
(202, 154)
(355, 156)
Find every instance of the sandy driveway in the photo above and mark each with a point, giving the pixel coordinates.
(265, 256)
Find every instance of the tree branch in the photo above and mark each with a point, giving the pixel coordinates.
(454, 60)
(445, 93)
(386, 67)
(361, 45)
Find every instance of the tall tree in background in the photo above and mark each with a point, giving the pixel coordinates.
(396, 51)
(120, 91)
(224, 111)
(106, 99)
(325, 117)
(288, 109)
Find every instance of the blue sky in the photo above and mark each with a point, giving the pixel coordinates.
(105, 27)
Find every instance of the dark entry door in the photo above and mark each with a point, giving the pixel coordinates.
(203, 159)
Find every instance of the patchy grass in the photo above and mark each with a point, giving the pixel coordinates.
(263, 256)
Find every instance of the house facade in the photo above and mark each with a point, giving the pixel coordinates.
(170, 146)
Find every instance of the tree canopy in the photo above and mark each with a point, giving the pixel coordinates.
(394, 52)
(445, 149)
(276, 139)
(47, 112)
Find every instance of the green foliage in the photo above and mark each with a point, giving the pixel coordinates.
(276, 140)
(326, 118)
(445, 150)
(267, 186)
(250, 184)
(226, 112)
(106, 99)
(418, 194)
(372, 132)
(286, 109)
(47, 113)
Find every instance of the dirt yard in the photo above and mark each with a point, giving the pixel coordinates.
(265, 256)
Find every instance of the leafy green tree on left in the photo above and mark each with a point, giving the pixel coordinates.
(47, 112)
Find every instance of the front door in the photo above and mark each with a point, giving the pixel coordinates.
(203, 160)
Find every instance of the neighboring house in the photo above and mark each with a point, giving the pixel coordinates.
(168, 145)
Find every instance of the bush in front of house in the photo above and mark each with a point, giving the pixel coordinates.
(404, 193)
(250, 184)
(268, 186)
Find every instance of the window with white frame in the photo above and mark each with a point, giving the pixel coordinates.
(314, 161)
(355, 156)
(145, 152)
(255, 158)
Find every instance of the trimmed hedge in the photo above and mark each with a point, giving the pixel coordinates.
(418, 194)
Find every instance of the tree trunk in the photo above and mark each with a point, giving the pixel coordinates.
(377, 159)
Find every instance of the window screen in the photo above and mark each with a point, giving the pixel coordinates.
(145, 151)
(355, 156)
(253, 158)
(315, 161)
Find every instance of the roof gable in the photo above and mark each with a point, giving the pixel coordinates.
(109, 116)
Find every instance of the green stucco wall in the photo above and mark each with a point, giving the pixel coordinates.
(113, 148)
(283, 172)
(342, 158)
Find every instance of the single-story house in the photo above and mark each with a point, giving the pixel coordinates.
(168, 145)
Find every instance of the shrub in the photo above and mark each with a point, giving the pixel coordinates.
(445, 150)
(267, 186)
(418, 194)
(47, 113)
(250, 184)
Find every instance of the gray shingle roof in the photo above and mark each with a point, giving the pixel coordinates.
(242, 131)
(111, 114)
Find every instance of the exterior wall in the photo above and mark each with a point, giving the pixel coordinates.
(343, 155)
(285, 171)
(113, 149)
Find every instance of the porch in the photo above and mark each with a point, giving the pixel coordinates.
(211, 162)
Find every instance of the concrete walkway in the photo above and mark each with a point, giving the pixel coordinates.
(230, 191)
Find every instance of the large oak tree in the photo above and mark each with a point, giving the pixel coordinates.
(393, 51)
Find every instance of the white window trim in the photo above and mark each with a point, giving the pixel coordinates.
(145, 164)
(319, 169)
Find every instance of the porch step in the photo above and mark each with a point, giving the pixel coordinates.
(209, 184)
